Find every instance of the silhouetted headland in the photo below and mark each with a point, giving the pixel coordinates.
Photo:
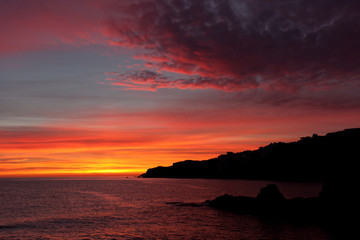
(316, 158)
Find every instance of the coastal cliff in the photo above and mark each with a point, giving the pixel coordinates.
(315, 158)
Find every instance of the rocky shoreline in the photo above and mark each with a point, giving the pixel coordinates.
(270, 203)
(334, 208)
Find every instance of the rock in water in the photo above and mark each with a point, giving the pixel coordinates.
(270, 193)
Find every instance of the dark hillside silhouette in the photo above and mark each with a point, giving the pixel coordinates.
(316, 158)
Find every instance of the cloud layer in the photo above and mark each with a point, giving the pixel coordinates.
(239, 44)
(227, 44)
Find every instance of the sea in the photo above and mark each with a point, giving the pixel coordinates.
(140, 208)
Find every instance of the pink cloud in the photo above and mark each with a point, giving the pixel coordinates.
(301, 47)
(45, 24)
(150, 81)
(299, 44)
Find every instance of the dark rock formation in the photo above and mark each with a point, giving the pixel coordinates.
(316, 158)
(270, 193)
(236, 204)
(268, 202)
(331, 208)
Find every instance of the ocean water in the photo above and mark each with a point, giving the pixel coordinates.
(131, 208)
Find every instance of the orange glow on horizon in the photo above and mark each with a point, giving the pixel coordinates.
(70, 174)
(90, 88)
(103, 147)
(111, 156)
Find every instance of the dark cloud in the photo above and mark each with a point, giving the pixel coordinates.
(226, 44)
(150, 81)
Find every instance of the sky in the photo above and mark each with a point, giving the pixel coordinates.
(106, 87)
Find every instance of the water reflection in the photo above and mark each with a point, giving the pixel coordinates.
(137, 209)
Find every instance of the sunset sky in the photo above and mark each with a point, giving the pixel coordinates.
(116, 87)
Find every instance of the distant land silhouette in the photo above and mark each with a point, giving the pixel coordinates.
(316, 159)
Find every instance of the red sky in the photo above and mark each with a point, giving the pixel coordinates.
(116, 87)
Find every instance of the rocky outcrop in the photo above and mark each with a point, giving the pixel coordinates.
(331, 207)
(270, 193)
(268, 202)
